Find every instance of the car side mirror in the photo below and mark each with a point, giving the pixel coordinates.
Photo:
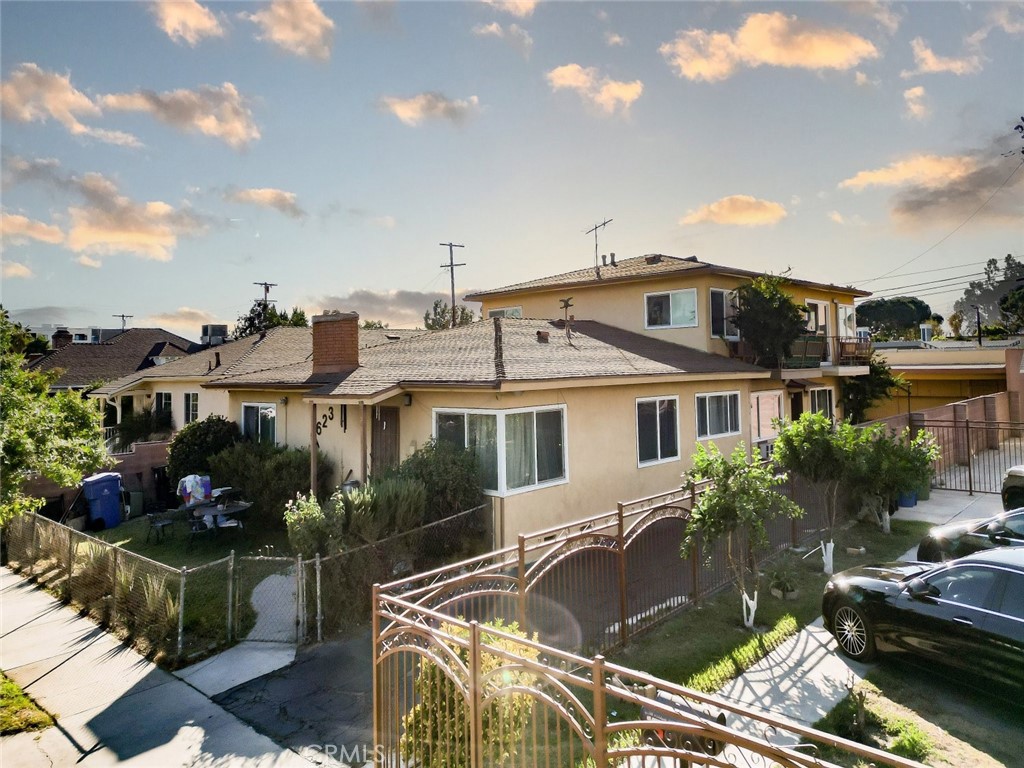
(994, 530)
(919, 589)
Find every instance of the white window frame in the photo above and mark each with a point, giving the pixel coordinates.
(824, 312)
(831, 401)
(502, 489)
(514, 312)
(190, 402)
(260, 406)
(729, 297)
(697, 408)
(755, 414)
(661, 459)
(676, 292)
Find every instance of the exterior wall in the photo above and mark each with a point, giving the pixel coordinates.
(933, 391)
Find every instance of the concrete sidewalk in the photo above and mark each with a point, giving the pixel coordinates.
(806, 676)
(112, 706)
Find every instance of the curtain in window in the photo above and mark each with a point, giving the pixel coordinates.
(550, 453)
(684, 308)
(520, 468)
(647, 430)
(482, 439)
(268, 417)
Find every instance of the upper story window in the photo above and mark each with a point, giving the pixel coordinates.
(259, 422)
(516, 450)
(674, 309)
(505, 312)
(191, 407)
(657, 429)
(723, 310)
(718, 415)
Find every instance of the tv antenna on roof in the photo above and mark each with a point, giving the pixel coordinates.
(594, 230)
(123, 319)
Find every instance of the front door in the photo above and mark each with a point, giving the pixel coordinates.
(796, 405)
(384, 448)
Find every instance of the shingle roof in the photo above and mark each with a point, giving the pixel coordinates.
(638, 268)
(125, 353)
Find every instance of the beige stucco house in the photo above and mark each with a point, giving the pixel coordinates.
(566, 416)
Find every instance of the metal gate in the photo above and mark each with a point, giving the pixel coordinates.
(269, 595)
(975, 455)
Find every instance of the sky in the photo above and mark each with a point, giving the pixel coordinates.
(160, 158)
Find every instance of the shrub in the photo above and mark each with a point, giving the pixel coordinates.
(141, 425)
(308, 529)
(449, 475)
(191, 449)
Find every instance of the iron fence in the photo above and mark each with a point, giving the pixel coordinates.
(975, 455)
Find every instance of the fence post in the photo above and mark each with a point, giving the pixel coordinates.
(35, 546)
(113, 587)
(299, 607)
(319, 604)
(181, 612)
(231, 594)
(600, 716)
(475, 720)
(623, 602)
(71, 564)
(522, 581)
(970, 462)
(375, 695)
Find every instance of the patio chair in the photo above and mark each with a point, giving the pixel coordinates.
(159, 522)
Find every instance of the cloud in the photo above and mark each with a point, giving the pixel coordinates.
(380, 13)
(267, 197)
(929, 63)
(218, 112)
(296, 26)
(105, 221)
(838, 218)
(614, 39)
(931, 171)
(400, 309)
(914, 100)
(32, 94)
(186, 21)
(765, 39)
(522, 9)
(882, 12)
(185, 319)
(1010, 19)
(985, 193)
(15, 270)
(739, 210)
(862, 80)
(433, 105)
(517, 37)
(85, 261)
(384, 222)
(605, 93)
(18, 230)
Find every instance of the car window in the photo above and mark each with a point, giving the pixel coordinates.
(967, 586)
(1015, 526)
(1013, 596)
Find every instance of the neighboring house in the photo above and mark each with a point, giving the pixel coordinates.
(566, 418)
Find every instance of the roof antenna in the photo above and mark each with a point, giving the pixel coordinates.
(566, 303)
(123, 319)
(594, 229)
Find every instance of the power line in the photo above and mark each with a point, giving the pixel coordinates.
(922, 272)
(957, 229)
(915, 286)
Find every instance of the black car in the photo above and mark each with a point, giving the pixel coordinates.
(948, 542)
(966, 613)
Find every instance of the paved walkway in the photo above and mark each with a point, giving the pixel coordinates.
(806, 676)
(112, 706)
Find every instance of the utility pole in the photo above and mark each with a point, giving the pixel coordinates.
(977, 316)
(594, 230)
(123, 319)
(266, 291)
(452, 265)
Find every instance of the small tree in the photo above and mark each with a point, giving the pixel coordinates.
(823, 453)
(263, 315)
(190, 451)
(440, 316)
(888, 464)
(371, 325)
(768, 319)
(735, 507)
(859, 393)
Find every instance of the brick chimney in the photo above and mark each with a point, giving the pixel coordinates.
(335, 342)
(61, 338)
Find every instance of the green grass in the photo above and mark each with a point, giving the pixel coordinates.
(707, 644)
(17, 711)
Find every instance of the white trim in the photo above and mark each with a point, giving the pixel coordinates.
(259, 405)
(731, 298)
(503, 312)
(825, 311)
(831, 400)
(636, 421)
(696, 415)
(696, 310)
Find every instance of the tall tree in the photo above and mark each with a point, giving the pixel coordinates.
(440, 316)
(58, 436)
(985, 294)
(895, 318)
(768, 319)
(23, 340)
(374, 325)
(1011, 310)
(263, 315)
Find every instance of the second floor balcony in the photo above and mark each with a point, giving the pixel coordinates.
(815, 351)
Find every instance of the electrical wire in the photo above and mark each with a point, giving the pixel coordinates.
(915, 286)
(922, 272)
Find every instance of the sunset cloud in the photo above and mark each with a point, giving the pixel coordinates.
(739, 210)
(88, 263)
(218, 112)
(765, 39)
(522, 9)
(953, 199)
(607, 94)
(399, 309)
(930, 171)
(838, 218)
(299, 27)
(267, 197)
(17, 230)
(186, 320)
(928, 63)
(186, 21)
(431, 105)
(517, 37)
(32, 95)
(15, 270)
(917, 109)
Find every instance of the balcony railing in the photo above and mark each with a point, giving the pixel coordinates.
(813, 350)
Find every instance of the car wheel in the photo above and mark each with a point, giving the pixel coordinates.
(853, 633)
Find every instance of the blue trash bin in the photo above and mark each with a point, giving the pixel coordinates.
(103, 492)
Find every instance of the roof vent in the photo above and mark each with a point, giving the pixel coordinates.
(691, 258)
(543, 336)
(653, 258)
(613, 259)
(604, 260)
(392, 336)
(216, 357)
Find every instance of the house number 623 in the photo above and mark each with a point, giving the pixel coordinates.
(321, 423)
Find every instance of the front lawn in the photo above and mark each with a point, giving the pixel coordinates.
(17, 711)
(705, 646)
